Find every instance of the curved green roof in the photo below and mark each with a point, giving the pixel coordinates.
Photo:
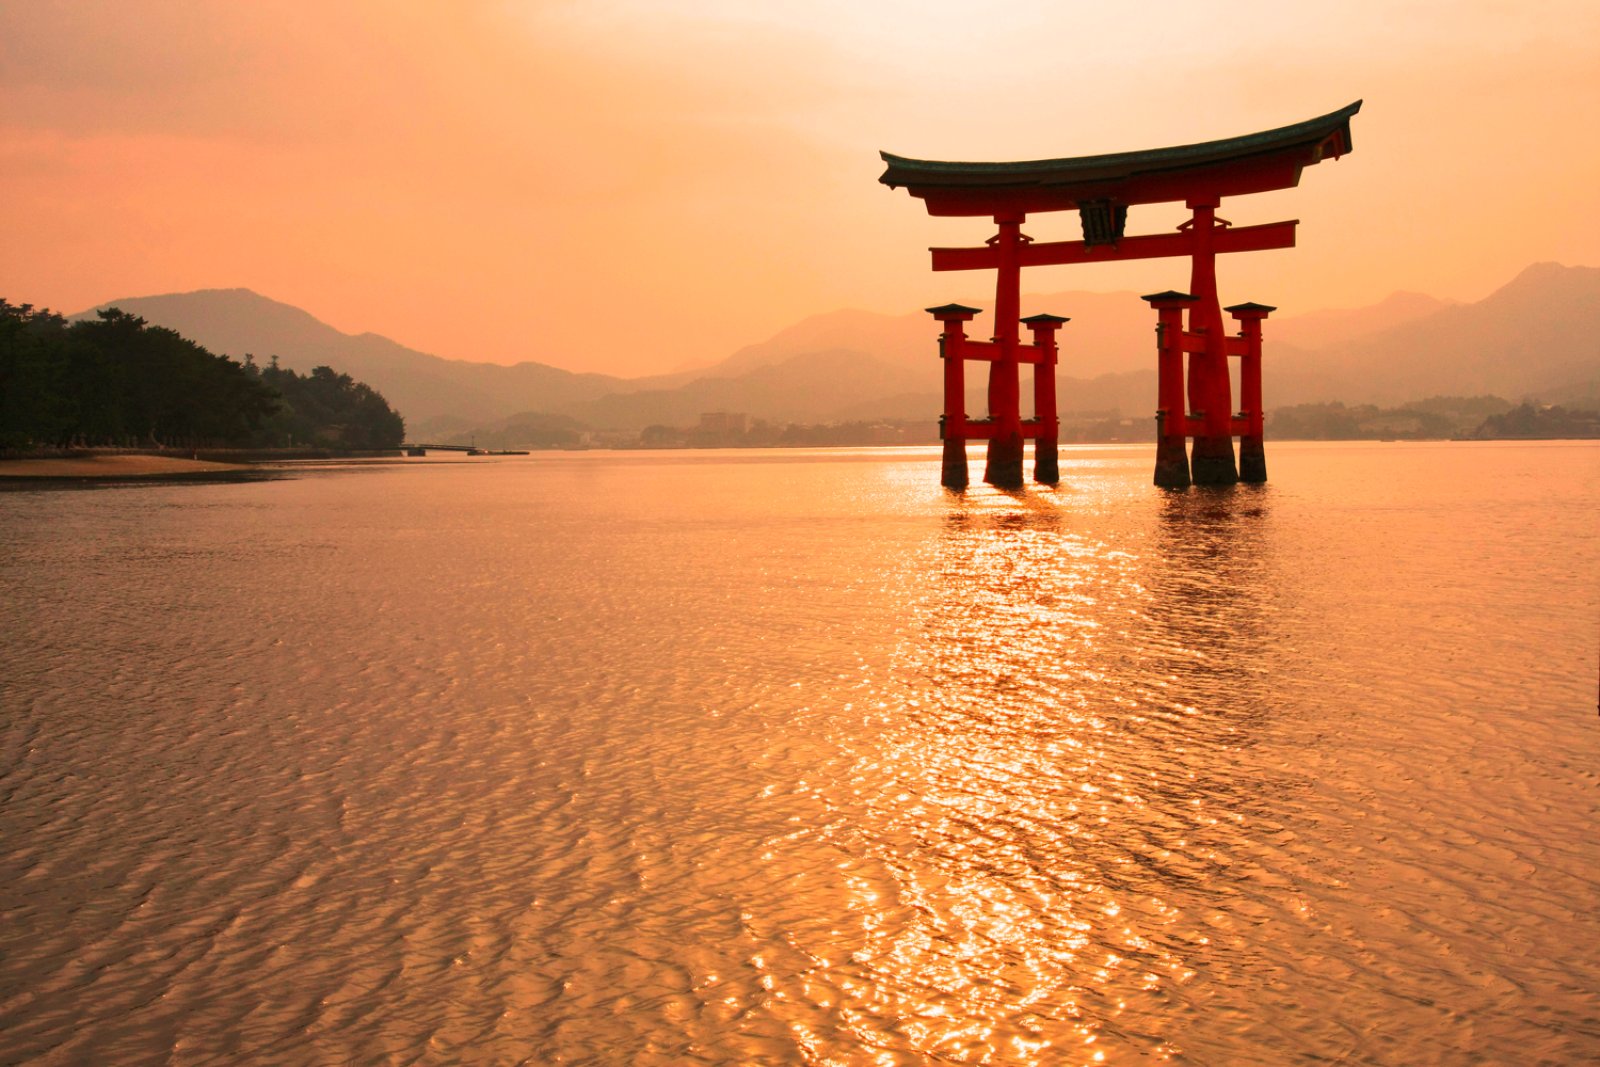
(1130, 177)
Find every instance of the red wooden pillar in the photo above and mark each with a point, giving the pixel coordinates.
(953, 423)
(1046, 445)
(1210, 393)
(1252, 452)
(1004, 463)
(1172, 456)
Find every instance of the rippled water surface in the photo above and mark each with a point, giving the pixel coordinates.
(748, 758)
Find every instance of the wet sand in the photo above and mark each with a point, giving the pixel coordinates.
(113, 466)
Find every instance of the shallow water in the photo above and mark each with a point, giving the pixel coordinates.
(789, 757)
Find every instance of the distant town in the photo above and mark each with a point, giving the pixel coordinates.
(1441, 418)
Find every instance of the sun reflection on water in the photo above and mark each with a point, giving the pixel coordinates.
(1034, 820)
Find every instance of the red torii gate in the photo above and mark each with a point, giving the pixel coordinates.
(1101, 189)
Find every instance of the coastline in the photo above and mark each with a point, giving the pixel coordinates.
(98, 465)
(127, 465)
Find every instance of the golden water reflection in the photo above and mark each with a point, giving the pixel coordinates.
(1033, 836)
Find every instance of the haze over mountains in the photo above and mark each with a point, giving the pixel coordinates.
(1537, 337)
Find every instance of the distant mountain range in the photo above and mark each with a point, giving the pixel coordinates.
(1537, 337)
(238, 322)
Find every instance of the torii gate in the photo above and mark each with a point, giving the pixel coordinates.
(1100, 189)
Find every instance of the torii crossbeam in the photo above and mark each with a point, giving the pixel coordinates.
(1101, 189)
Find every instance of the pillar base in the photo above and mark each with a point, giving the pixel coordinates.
(1212, 462)
(1046, 462)
(1004, 466)
(1172, 463)
(954, 473)
(1252, 460)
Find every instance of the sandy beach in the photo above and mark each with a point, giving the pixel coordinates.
(113, 466)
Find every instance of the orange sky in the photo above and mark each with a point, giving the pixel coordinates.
(629, 186)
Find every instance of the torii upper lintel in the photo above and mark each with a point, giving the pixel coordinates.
(1210, 170)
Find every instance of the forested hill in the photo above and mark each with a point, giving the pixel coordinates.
(116, 380)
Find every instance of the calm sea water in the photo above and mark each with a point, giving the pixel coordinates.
(749, 758)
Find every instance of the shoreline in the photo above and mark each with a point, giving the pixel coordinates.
(91, 464)
(113, 466)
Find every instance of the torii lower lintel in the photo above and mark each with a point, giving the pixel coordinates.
(1149, 246)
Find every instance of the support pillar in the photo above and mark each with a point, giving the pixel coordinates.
(1252, 450)
(1210, 392)
(1004, 465)
(953, 423)
(1172, 458)
(1046, 445)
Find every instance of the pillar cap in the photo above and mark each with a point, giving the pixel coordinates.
(953, 311)
(1045, 320)
(1240, 310)
(1171, 296)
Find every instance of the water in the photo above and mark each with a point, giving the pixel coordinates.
(794, 758)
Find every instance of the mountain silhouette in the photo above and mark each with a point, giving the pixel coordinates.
(1538, 336)
(237, 322)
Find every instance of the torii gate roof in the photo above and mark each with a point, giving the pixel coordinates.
(1254, 163)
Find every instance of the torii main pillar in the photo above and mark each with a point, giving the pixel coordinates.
(1101, 189)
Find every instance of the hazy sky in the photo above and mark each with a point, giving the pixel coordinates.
(631, 185)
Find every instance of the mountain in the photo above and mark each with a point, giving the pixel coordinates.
(1334, 328)
(1538, 336)
(811, 387)
(236, 322)
(1108, 334)
(903, 340)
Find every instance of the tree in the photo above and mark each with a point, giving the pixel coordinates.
(117, 380)
(329, 409)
